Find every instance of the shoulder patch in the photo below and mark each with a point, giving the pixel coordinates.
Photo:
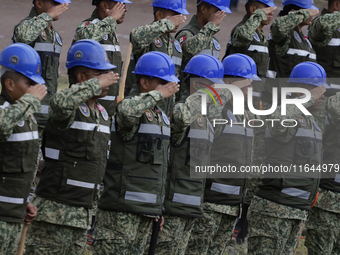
(33, 119)
(182, 40)
(165, 119)
(106, 37)
(297, 37)
(270, 37)
(256, 37)
(84, 110)
(302, 121)
(103, 112)
(43, 35)
(21, 124)
(84, 24)
(200, 120)
(57, 36)
(178, 46)
(231, 116)
(158, 42)
(216, 44)
(149, 115)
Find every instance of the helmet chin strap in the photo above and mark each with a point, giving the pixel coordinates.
(5, 69)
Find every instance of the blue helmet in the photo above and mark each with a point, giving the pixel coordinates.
(88, 53)
(206, 66)
(223, 5)
(23, 59)
(240, 65)
(305, 4)
(60, 1)
(156, 64)
(269, 3)
(95, 2)
(309, 73)
(174, 5)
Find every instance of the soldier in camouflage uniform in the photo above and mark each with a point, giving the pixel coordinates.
(136, 170)
(75, 148)
(20, 98)
(102, 27)
(282, 201)
(168, 15)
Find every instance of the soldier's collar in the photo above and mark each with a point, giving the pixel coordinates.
(325, 11)
(194, 22)
(6, 96)
(95, 14)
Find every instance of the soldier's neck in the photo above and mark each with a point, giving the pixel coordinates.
(166, 35)
(300, 28)
(91, 102)
(260, 28)
(201, 21)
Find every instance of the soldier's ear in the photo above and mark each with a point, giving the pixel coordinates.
(159, 15)
(38, 4)
(252, 9)
(144, 83)
(337, 5)
(81, 77)
(103, 6)
(9, 85)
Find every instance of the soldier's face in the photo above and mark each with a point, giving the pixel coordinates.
(121, 20)
(47, 4)
(210, 11)
(307, 22)
(170, 13)
(154, 83)
(93, 73)
(20, 86)
(269, 16)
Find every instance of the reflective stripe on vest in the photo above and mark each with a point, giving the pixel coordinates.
(250, 132)
(141, 197)
(334, 86)
(302, 133)
(258, 48)
(52, 153)
(271, 74)
(44, 109)
(302, 53)
(214, 53)
(90, 127)
(257, 94)
(187, 199)
(47, 47)
(177, 60)
(12, 200)
(226, 189)
(337, 178)
(108, 47)
(5, 105)
(80, 184)
(153, 129)
(26, 136)
(235, 130)
(200, 134)
(334, 42)
(294, 192)
(109, 98)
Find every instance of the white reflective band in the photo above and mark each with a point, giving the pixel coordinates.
(294, 192)
(26, 136)
(337, 178)
(153, 129)
(258, 48)
(198, 134)
(90, 127)
(334, 86)
(108, 98)
(226, 189)
(48, 47)
(44, 109)
(141, 197)
(271, 74)
(52, 153)
(5, 105)
(80, 184)
(177, 60)
(95, 21)
(187, 199)
(306, 133)
(166, 131)
(318, 135)
(235, 130)
(257, 94)
(334, 42)
(214, 53)
(250, 132)
(302, 53)
(108, 47)
(12, 200)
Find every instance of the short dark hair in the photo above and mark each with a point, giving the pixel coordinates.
(15, 76)
(331, 2)
(250, 3)
(201, 3)
(72, 73)
(287, 8)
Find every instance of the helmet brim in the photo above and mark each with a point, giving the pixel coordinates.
(63, 1)
(223, 8)
(216, 80)
(37, 79)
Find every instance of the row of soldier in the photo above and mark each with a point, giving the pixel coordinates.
(199, 214)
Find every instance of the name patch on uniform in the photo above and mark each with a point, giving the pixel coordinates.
(106, 37)
(84, 110)
(165, 118)
(43, 35)
(149, 115)
(231, 116)
(200, 121)
(33, 119)
(256, 37)
(158, 42)
(216, 44)
(302, 121)
(297, 37)
(57, 36)
(317, 126)
(182, 40)
(103, 112)
(178, 47)
(21, 124)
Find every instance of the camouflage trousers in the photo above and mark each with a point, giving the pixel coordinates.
(272, 236)
(44, 238)
(10, 233)
(212, 234)
(121, 233)
(323, 232)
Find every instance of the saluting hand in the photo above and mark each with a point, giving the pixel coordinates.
(168, 89)
(269, 10)
(177, 19)
(318, 92)
(217, 17)
(57, 10)
(313, 12)
(116, 12)
(242, 83)
(37, 90)
(107, 79)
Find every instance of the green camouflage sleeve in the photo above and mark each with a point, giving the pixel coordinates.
(141, 37)
(29, 30)
(244, 34)
(195, 44)
(17, 112)
(131, 109)
(322, 28)
(63, 103)
(96, 31)
(282, 26)
(333, 108)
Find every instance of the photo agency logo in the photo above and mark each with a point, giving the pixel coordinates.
(239, 105)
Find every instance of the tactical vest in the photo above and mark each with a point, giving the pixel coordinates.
(329, 58)
(18, 159)
(213, 48)
(304, 148)
(135, 174)
(48, 45)
(331, 137)
(230, 147)
(75, 158)
(158, 45)
(184, 194)
(110, 43)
